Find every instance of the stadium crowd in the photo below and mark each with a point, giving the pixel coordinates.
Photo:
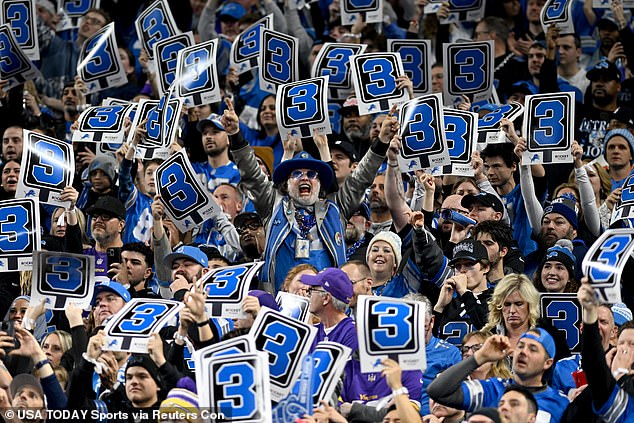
(333, 218)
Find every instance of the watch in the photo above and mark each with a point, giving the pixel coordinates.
(400, 391)
(620, 371)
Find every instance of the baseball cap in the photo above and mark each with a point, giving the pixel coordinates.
(188, 252)
(524, 87)
(363, 210)
(544, 338)
(621, 313)
(604, 68)
(349, 105)
(334, 281)
(624, 115)
(607, 22)
(108, 205)
(265, 299)
(232, 10)
(484, 198)
(346, 147)
(213, 119)
(469, 249)
(245, 218)
(25, 379)
(111, 286)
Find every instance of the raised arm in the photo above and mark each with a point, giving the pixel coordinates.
(394, 195)
(586, 193)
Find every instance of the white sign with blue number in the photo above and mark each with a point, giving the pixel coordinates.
(374, 78)
(62, 279)
(131, 328)
(564, 312)
(161, 126)
(558, 13)
(48, 167)
(238, 345)
(294, 306)
(302, 107)
(71, 12)
(489, 128)
(166, 53)
(102, 124)
(99, 64)
(287, 341)
(109, 149)
(461, 131)
(187, 201)
(329, 360)
(245, 50)
(417, 59)
(625, 207)
(154, 24)
(237, 386)
(605, 260)
(459, 10)
(423, 138)
(391, 328)
(371, 11)
(278, 60)
(197, 74)
(333, 60)
(549, 128)
(15, 66)
(19, 233)
(20, 16)
(227, 287)
(469, 71)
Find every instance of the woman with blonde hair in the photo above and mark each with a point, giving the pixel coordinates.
(471, 343)
(292, 282)
(514, 307)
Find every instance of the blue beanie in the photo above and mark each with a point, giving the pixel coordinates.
(565, 205)
(623, 133)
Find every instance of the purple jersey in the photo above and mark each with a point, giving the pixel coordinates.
(344, 333)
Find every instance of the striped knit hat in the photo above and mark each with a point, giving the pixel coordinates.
(182, 401)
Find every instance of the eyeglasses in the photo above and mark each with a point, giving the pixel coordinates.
(299, 174)
(107, 299)
(466, 348)
(358, 280)
(248, 226)
(103, 216)
(311, 290)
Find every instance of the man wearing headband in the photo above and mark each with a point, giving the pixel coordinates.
(532, 357)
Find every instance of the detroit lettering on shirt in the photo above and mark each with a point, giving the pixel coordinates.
(487, 393)
(344, 333)
(212, 177)
(440, 356)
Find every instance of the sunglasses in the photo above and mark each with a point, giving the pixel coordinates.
(299, 174)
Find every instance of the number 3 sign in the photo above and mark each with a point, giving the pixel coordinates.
(302, 107)
(391, 327)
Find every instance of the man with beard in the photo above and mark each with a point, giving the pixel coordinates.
(559, 221)
(497, 238)
(12, 144)
(605, 83)
(355, 127)
(379, 211)
(357, 236)
(218, 168)
(188, 265)
(138, 203)
(302, 227)
(251, 231)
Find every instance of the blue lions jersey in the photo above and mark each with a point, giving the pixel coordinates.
(487, 393)
(619, 408)
(212, 177)
(562, 376)
(440, 356)
(138, 218)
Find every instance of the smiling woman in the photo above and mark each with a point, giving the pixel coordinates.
(557, 270)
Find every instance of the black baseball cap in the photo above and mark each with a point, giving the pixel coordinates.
(484, 198)
(108, 205)
(346, 147)
(469, 249)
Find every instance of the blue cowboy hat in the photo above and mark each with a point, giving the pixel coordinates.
(304, 160)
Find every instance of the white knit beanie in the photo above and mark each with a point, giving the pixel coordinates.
(392, 239)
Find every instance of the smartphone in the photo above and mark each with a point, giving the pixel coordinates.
(8, 327)
(114, 255)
